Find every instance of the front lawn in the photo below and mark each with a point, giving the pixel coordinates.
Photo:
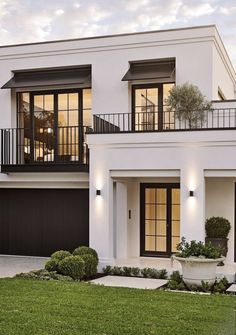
(52, 307)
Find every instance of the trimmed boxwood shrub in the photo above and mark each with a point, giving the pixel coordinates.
(60, 255)
(217, 227)
(52, 265)
(72, 266)
(90, 263)
(85, 251)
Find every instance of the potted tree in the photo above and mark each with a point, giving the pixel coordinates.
(198, 261)
(189, 105)
(217, 230)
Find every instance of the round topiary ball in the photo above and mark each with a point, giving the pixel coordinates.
(90, 263)
(72, 266)
(52, 265)
(85, 251)
(60, 255)
(217, 227)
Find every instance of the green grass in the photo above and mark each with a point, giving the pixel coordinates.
(69, 308)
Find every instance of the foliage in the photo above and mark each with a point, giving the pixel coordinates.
(60, 255)
(43, 275)
(83, 250)
(127, 271)
(90, 265)
(176, 283)
(197, 249)
(217, 227)
(70, 308)
(135, 271)
(189, 104)
(52, 265)
(107, 270)
(117, 271)
(72, 266)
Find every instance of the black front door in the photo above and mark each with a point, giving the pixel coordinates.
(54, 127)
(159, 218)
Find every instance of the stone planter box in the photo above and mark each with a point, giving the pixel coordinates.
(195, 270)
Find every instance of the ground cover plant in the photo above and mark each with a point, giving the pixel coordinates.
(76, 308)
(135, 272)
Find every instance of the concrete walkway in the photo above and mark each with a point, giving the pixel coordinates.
(131, 282)
(11, 265)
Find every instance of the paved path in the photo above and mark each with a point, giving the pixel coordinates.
(11, 265)
(131, 282)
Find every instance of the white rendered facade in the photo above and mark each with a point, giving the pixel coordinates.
(201, 161)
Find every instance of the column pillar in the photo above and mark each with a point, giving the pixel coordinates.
(121, 220)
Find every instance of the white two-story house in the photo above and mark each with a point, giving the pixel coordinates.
(91, 155)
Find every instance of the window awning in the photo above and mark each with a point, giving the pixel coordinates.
(50, 77)
(162, 69)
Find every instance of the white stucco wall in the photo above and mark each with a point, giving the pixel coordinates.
(220, 201)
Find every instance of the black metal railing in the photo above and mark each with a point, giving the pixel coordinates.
(167, 121)
(44, 145)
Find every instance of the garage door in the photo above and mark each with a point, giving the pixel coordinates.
(39, 221)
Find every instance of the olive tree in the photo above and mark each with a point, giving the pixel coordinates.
(189, 104)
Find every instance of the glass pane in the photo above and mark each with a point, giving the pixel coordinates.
(87, 118)
(175, 228)
(175, 212)
(87, 99)
(73, 118)
(150, 243)
(150, 227)
(150, 195)
(62, 118)
(152, 98)
(150, 211)
(73, 100)
(176, 196)
(62, 101)
(166, 90)
(161, 195)
(161, 244)
(49, 102)
(161, 212)
(38, 102)
(140, 97)
(161, 228)
(175, 241)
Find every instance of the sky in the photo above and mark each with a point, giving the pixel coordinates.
(23, 21)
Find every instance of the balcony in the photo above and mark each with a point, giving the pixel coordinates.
(44, 149)
(215, 119)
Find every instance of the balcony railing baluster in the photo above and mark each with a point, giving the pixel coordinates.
(51, 146)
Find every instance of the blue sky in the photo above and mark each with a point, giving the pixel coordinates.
(24, 21)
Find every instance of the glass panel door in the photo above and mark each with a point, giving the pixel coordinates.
(43, 136)
(146, 109)
(68, 131)
(160, 218)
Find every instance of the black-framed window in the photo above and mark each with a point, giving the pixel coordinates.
(149, 109)
(52, 124)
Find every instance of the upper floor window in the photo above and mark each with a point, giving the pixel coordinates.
(149, 107)
(53, 123)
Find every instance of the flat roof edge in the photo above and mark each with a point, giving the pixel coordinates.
(108, 36)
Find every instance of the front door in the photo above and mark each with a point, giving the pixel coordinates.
(160, 219)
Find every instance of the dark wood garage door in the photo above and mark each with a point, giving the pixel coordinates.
(39, 221)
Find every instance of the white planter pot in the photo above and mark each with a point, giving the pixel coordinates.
(195, 270)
